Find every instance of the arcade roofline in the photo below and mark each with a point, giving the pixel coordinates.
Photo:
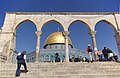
(64, 13)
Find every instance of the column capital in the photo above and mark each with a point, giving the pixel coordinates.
(92, 33)
(65, 33)
(14, 34)
(118, 31)
(38, 33)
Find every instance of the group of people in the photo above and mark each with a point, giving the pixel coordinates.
(108, 54)
(105, 55)
(72, 59)
(79, 59)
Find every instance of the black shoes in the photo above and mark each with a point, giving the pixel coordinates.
(26, 71)
(17, 75)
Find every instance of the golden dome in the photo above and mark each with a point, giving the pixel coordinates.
(56, 37)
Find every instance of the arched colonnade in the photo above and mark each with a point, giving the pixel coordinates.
(65, 19)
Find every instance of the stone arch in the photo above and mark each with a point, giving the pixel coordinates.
(87, 29)
(108, 22)
(19, 24)
(52, 21)
(85, 23)
(114, 29)
(23, 21)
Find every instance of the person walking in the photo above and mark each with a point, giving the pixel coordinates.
(89, 50)
(105, 53)
(99, 53)
(21, 61)
(110, 54)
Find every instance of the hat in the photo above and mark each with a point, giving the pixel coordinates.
(88, 44)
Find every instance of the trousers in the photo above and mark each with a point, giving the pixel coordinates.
(90, 55)
(18, 68)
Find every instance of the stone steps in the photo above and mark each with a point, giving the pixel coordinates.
(64, 70)
(70, 76)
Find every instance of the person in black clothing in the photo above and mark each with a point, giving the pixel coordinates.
(20, 61)
(77, 59)
(110, 54)
(86, 60)
(115, 58)
(105, 53)
(57, 59)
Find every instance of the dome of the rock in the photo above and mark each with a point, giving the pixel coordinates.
(56, 37)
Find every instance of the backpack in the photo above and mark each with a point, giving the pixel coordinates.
(20, 57)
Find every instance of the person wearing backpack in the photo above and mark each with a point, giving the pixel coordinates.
(20, 61)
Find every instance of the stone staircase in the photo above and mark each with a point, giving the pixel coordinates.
(63, 70)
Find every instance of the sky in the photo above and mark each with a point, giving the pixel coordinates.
(26, 40)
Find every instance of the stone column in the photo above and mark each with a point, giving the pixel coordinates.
(117, 36)
(65, 34)
(38, 34)
(11, 48)
(92, 34)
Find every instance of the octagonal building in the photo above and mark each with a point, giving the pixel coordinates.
(55, 43)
